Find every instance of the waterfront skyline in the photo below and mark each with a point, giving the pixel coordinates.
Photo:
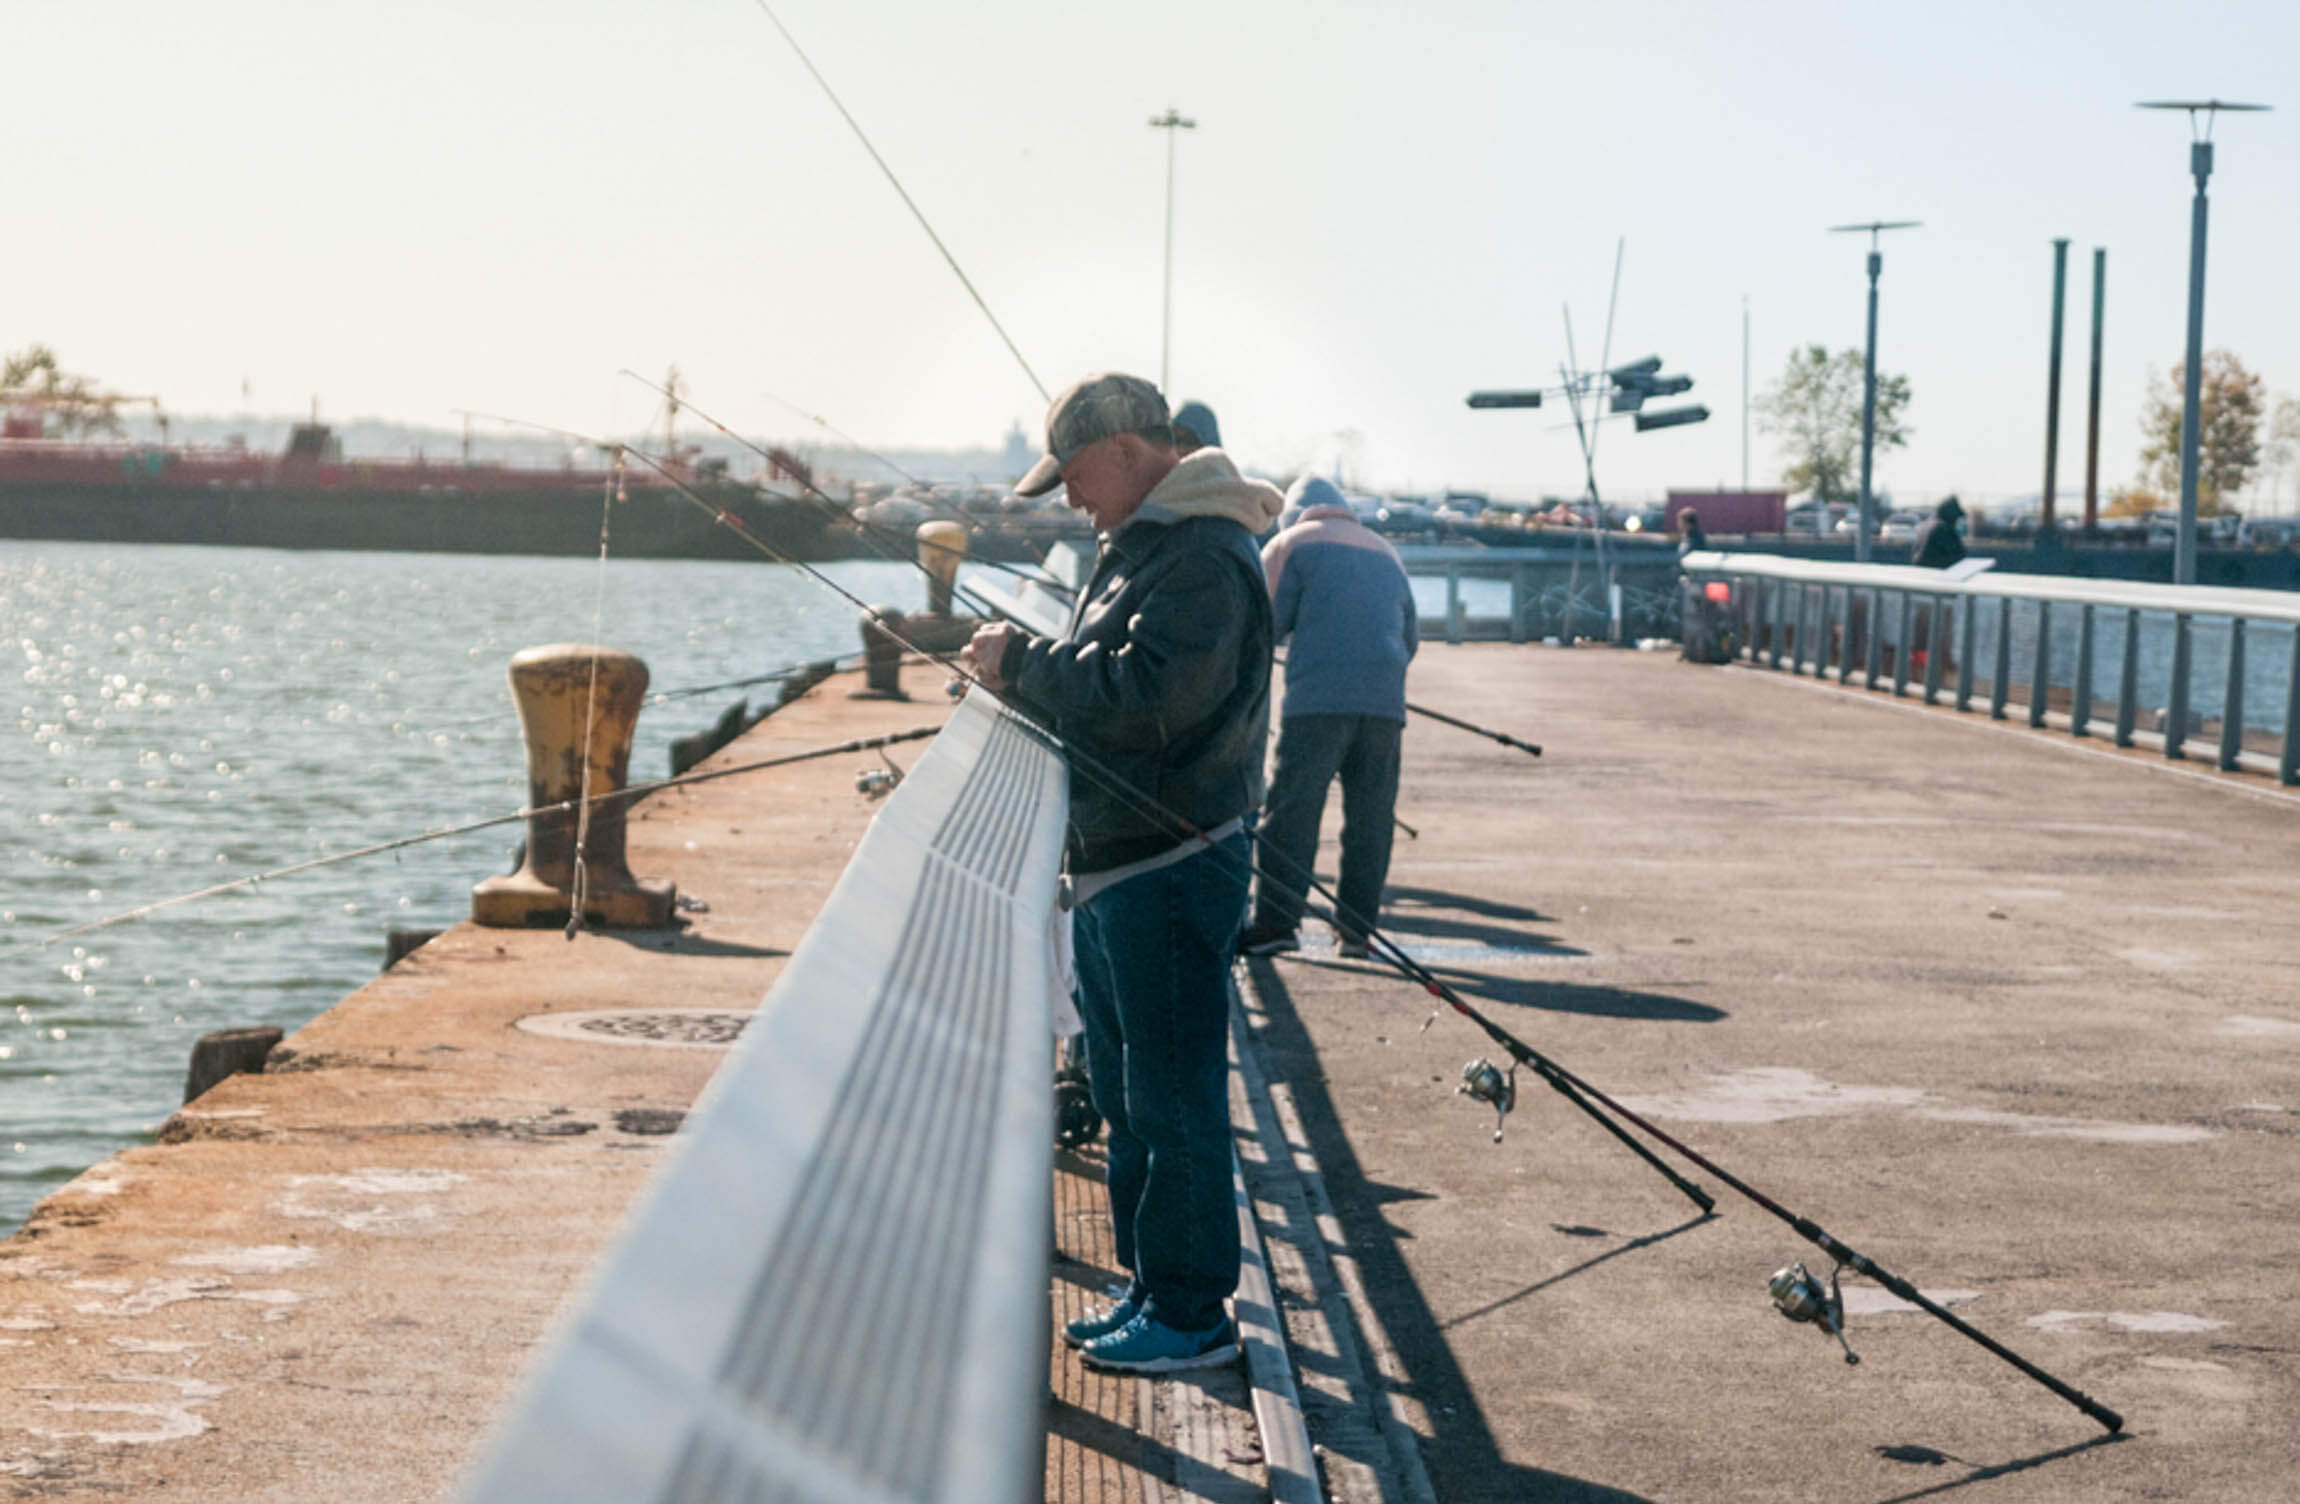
(403, 210)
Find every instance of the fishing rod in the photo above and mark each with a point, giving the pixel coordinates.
(1791, 1294)
(1111, 782)
(1796, 1294)
(890, 546)
(1498, 736)
(1470, 726)
(908, 202)
(564, 806)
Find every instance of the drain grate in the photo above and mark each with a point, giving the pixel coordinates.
(671, 1028)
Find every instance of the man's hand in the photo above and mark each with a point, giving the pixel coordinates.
(987, 651)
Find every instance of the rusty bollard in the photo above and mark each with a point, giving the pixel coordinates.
(551, 686)
(882, 655)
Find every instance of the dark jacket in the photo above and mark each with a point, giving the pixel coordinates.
(1162, 681)
(1937, 543)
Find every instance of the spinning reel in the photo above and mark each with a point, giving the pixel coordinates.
(1797, 1294)
(1483, 1081)
(877, 783)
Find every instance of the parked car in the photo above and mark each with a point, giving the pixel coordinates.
(1900, 527)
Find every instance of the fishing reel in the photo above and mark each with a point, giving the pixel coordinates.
(1797, 1294)
(877, 783)
(1483, 1081)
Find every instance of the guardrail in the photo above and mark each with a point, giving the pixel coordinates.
(2061, 630)
(835, 1293)
(1548, 590)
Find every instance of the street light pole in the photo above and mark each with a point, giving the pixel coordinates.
(1170, 122)
(2191, 385)
(1873, 229)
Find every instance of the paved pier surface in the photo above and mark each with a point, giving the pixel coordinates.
(2013, 1018)
(2016, 1020)
(323, 1282)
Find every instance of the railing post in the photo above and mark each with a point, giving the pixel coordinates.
(1774, 600)
(1936, 635)
(1453, 604)
(1967, 615)
(2080, 694)
(1997, 683)
(2288, 765)
(1905, 647)
(1517, 603)
(2040, 676)
(2176, 717)
(2128, 680)
(1854, 626)
(1821, 636)
(2232, 698)
(1876, 635)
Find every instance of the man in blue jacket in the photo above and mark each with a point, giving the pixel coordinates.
(1340, 599)
(1160, 690)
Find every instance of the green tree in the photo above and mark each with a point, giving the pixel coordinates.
(2230, 403)
(1815, 411)
(32, 379)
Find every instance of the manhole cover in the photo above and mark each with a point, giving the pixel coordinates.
(673, 1028)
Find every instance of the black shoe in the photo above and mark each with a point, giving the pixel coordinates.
(1353, 948)
(1260, 941)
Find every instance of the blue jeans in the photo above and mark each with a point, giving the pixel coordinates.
(1312, 749)
(1153, 987)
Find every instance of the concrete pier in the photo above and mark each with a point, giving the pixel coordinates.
(323, 1281)
(2010, 1013)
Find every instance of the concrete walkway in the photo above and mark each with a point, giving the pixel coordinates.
(2017, 1021)
(324, 1281)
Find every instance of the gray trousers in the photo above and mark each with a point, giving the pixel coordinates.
(1312, 750)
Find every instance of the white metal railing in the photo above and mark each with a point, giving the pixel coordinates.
(1926, 621)
(835, 1293)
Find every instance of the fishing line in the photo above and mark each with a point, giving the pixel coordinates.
(1575, 1089)
(908, 203)
(851, 442)
(1142, 804)
(886, 544)
(582, 805)
(612, 490)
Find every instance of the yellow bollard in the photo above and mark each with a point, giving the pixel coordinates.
(552, 688)
(941, 549)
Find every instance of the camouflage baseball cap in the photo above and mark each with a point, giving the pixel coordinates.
(1098, 407)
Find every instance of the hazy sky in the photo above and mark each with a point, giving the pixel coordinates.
(410, 207)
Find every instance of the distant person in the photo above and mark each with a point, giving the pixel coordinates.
(1340, 597)
(1160, 690)
(1195, 428)
(1690, 538)
(1940, 537)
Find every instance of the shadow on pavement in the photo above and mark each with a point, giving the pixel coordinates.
(1574, 997)
(1464, 1458)
(1583, 1267)
(1980, 1474)
(1430, 913)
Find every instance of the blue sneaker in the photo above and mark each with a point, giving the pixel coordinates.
(1144, 1345)
(1103, 1322)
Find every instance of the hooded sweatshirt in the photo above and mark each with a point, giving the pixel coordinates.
(1163, 676)
(1341, 600)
